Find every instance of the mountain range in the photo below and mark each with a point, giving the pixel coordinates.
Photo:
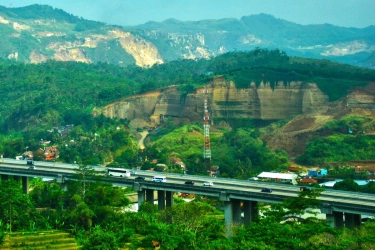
(37, 33)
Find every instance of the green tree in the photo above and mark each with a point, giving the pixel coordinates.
(81, 214)
(2, 237)
(14, 205)
(45, 194)
(347, 185)
(101, 240)
(84, 174)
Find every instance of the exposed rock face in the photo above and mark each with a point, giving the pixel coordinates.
(362, 97)
(138, 106)
(224, 101)
(293, 137)
(144, 53)
(348, 48)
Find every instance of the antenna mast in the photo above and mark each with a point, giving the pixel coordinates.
(206, 129)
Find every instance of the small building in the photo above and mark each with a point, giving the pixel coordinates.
(308, 180)
(292, 169)
(51, 153)
(369, 169)
(280, 177)
(177, 161)
(317, 172)
(214, 171)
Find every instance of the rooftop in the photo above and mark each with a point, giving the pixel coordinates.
(277, 176)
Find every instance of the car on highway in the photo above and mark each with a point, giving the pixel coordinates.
(304, 189)
(266, 190)
(139, 178)
(208, 183)
(32, 167)
(189, 182)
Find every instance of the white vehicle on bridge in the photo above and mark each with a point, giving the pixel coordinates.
(159, 179)
(118, 172)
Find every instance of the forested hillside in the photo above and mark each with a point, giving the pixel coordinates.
(33, 91)
(41, 97)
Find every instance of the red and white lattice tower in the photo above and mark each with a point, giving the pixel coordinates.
(206, 129)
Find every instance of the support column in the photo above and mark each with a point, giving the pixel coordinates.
(169, 204)
(25, 184)
(17, 178)
(141, 198)
(338, 219)
(64, 186)
(250, 211)
(357, 220)
(228, 215)
(330, 218)
(236, 208)
(150, 196)
(161, 199)
(349, 220)
(335, 219)
(169, 198)
(352, 220)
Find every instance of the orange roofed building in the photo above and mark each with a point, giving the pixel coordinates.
(308, 180)
(51, 153)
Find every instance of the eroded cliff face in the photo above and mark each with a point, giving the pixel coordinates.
(362, 97)
(294, 136)
(224, 101)
(144, 53)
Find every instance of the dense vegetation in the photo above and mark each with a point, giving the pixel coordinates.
(94, 212)
(33, 92)
(352, 186)
(346, 139)
(239, 153)
(40, 97)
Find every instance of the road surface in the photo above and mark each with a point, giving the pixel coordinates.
(141, 145)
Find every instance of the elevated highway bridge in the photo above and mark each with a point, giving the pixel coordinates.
(341, 208)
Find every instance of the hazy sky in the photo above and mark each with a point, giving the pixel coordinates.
(346, 13)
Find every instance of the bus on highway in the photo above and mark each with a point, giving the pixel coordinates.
(159, 179)
(118, 172)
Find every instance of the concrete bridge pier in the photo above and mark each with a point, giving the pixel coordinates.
(335, 219)
(169, 198)
(228, 216)
(25, 184)
(228, 212)
(4, 177)
(64, 186)
(352, 220)
(251, 211)
(236, 211)
(150, 196)
(17, 178)
(169, 204)
(141, 198)
(161, 199)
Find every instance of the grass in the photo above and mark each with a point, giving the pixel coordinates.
(51, 239)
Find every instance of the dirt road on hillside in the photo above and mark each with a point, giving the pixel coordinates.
(141, 140)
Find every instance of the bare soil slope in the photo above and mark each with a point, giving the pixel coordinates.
(294, 136)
